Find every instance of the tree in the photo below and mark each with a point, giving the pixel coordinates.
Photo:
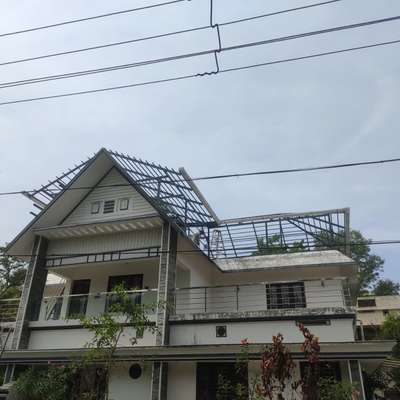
(386, 287)
(275, 245)
(87, 377)
(391, 330)
(370, 265)
(12, 275)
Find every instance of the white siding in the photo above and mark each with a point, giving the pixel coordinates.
(328, 293)
(106, 243)
(138, 205)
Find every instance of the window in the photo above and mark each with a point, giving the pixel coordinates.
(123, 204)
(366, 303)
(78, 300)
(328, 369)
(129, 282)
(135, 371)
(285, 295)
(209, 374)
(109, 206)
(220, 331)
(95, 207)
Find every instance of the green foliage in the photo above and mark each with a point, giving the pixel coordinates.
(12, 275)
(390, 330)
(370, 265)
(56, 383)
(275, 245)
(329, 389)
(386, 287)
(49, 383)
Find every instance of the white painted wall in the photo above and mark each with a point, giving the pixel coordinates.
(106, 243)
(181, 381)
(340, 330)
(138, 205)
(253, 297)
(123, 387)
(77, 338)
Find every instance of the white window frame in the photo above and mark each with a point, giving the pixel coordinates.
(128, 200)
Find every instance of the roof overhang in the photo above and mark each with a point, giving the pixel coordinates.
(100, 228)
(370, 350)
(310, 259)
(62, 204)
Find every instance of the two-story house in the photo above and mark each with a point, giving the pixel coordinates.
(117, 219)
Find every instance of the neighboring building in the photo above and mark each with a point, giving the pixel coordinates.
(115, 218)
(371, 313)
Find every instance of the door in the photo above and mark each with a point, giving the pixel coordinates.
(79, 298)
(218, 380)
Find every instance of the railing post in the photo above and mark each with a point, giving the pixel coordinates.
(237, 298)
(205, 299)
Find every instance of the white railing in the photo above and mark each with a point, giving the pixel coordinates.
(260, 297)
(8, 310)
(68, 307)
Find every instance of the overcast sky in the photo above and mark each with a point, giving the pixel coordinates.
(340, 108)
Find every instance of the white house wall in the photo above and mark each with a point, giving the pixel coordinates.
(74, 338)
(106, 243)
(340, 330)
(123, 387)
(182, 381)
(138, 205)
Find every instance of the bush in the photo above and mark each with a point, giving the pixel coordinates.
(329, 389)
(50, 383)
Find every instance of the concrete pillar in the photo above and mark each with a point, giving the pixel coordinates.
(166, 286)
(32, 294)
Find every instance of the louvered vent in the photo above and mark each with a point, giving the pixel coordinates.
(109, 206)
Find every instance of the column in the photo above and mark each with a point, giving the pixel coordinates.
(32, 293)
(166, 286)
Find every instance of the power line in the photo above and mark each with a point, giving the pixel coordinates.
(236, 175)
(74, 21)
(184, 77)
(163, 34)
(316, 247)
(194, 54)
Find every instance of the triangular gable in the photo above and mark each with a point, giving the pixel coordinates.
(112, 188)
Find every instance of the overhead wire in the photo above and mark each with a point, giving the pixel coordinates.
(74, 21)
(316, 247)
(219, 49)
(195, 75)
(162, 35)
(225, 176)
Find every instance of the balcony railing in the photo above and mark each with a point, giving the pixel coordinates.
(57, 308)
(8, 310)
(260, 297)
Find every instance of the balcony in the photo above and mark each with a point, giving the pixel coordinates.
(8, 310)
(286, 298)
(56, 310)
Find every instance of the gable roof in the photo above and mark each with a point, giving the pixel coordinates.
(170, 192)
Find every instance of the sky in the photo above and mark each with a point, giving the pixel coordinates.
(336, 109)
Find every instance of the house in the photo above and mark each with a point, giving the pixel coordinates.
(116, 218)
(372, 311)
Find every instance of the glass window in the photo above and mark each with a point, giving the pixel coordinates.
(95, 207)
(366, 303)
(123, 204)
(285, 295)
